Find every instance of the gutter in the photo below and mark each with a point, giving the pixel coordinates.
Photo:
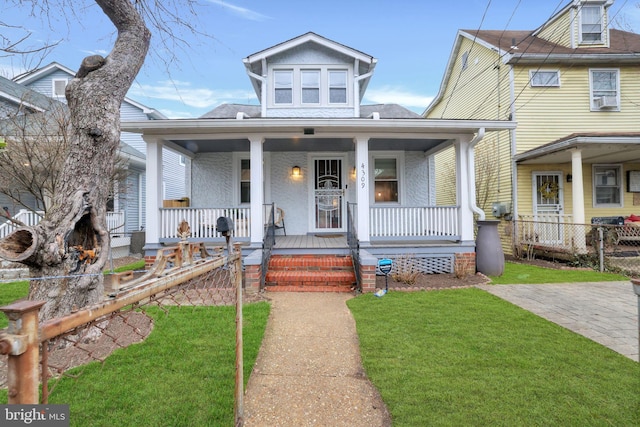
(471, 182)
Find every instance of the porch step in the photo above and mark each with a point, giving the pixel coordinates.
(310, 273)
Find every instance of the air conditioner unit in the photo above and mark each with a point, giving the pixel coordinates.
(606, 102)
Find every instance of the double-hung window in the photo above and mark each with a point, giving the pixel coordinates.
(607, 186)
(337, 87)
(604, 89)
(283, 83)
(310, 81)
(385, 171)
(591, 24)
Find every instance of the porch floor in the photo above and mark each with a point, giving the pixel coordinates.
(312, 241)
(339, 241)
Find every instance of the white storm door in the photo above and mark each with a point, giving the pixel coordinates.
(548, 207)
(328, 194)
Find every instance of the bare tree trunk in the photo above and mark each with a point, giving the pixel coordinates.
(71, 244)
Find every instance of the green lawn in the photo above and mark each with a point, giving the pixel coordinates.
(531, 274)
(465, 357)
(182, 375)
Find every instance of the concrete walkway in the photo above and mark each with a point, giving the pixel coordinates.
(605, 312)
(309, 371)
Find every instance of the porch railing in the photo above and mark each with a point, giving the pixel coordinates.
(203, 221)
(549, 229)
(424, 222)
(115, 221)
(25, 216)
(268, 242)
(352, 240)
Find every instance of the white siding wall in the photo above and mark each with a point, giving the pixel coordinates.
(212, 177)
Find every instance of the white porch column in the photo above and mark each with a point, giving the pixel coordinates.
(363, 181)
(577, 193)
(463, 192)
(154, 192)
(257, 191)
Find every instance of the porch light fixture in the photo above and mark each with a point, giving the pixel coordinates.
(569, 178)
(295, 171)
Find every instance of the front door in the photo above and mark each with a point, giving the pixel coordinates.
(328, 194)
(548, 207)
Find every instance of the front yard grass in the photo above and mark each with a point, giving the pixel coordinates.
(525, 274)
(182, 375)
(465, 357)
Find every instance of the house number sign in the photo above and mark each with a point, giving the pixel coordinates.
(363, 176)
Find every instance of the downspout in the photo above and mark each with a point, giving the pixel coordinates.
(471, 173)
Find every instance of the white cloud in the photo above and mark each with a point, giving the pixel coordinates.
(241, 11)
(395, 95)
(183, 92)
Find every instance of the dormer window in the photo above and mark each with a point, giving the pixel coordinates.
(310, 86)
(283, 83)
(591, 24)
(306, 87)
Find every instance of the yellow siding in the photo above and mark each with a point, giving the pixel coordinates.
(631, 201)
(473, 93)
(558, 31)
(547, 114)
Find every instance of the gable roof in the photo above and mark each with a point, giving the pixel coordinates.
(35, 75)
(22, 96)
(254, 63)
(519, 46)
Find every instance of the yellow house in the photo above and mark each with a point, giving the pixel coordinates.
(573, 87)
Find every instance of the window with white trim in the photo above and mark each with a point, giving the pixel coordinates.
(58, 87)
(310, 82)
(591, 24)
(385, 177)
(337, 87)
(310, 86)
(283, 84)
(544, 78)
(604, 84)
(607, 186)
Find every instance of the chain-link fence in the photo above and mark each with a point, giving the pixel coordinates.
(607, 247)
(185, 275)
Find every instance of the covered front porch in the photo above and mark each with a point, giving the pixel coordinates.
(368, 180)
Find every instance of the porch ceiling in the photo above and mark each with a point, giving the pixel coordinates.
(619, 148)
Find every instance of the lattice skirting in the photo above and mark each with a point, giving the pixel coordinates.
(427, 265)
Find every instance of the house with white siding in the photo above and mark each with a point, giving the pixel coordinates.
(313, 173)
(51, 81)
(573, 87)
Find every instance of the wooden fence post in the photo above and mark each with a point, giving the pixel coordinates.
(22, 345)
(239, 391)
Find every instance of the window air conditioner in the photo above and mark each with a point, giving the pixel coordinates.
(606, 102)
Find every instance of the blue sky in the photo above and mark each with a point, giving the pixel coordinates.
(411, 39)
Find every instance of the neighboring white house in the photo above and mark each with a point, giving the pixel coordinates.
(51, 81)
(314, 151)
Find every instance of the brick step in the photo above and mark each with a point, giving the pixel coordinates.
(310, 263)
(310, 281)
